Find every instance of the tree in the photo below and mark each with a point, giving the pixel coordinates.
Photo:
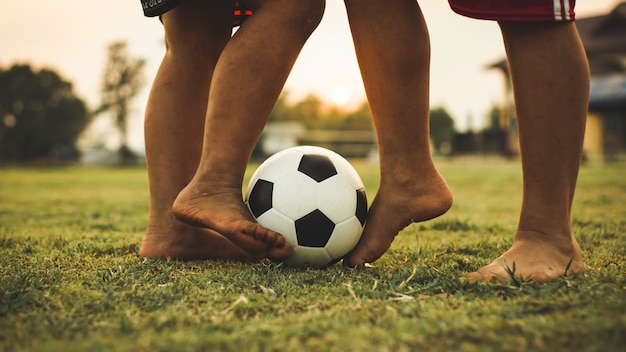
(359, 119)
(122, 81)
(308, 110)
(40, 117)
(441, 130)
(494, 118)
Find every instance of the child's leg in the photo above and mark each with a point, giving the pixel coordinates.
(393, 50)
(551, 82)
(248, 79)
(196, 32)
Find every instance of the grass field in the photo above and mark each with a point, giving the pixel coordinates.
(71, 277)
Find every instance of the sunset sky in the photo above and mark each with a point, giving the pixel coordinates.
(71, 37)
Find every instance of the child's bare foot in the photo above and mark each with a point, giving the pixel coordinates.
(536, 257)
(173, 239)
(221, 208)
(394, 208)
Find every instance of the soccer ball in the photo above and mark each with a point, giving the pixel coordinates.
(314, 198)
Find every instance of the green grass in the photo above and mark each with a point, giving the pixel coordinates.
(71, 277)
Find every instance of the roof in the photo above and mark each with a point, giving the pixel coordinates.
(608, 92)
(606, 33)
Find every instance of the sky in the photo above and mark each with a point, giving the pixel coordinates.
(71, 37)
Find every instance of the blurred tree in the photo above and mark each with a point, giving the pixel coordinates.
(40, 117)
(313, 114)
(494, 119)
(359, 119)
(309, 111)
(122, 81)
(441, 130)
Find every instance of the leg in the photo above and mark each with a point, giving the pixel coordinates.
(248, 78)
(196, 32)
(551, 83)
(393, 50)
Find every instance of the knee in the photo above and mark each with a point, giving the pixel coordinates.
(197, 30)
(308, 12)
(196, 46)
(194, 52)
(301, 15)
(305, 15)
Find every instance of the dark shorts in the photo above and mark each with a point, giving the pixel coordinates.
(516, 10)
(153, 8)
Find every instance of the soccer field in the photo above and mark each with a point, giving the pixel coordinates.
(71, 278)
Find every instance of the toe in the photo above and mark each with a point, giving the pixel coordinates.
(474, 277)
(351, 262)
(279, 253)
(257, 232)
(279, 241)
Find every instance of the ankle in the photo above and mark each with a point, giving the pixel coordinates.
(563, 242)
(409, 174)
(215, 183)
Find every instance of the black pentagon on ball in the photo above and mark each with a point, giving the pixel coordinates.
(361, 206)
(314, 229)
(317, 167)
(260, 199)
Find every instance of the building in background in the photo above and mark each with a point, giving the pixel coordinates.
(604, 39)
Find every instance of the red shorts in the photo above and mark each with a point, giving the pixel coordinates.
(516, 10)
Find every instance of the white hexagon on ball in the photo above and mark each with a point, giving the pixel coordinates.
(344, 238)
(309, 257)
(332, 189)
(295, 195)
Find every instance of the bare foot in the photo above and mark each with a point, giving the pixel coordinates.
(393, 209)
(221, 208)
(536, 257)
(176, 240)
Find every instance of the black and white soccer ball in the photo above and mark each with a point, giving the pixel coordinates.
(314, 198)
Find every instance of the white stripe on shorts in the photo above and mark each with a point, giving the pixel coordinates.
(562, 10)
